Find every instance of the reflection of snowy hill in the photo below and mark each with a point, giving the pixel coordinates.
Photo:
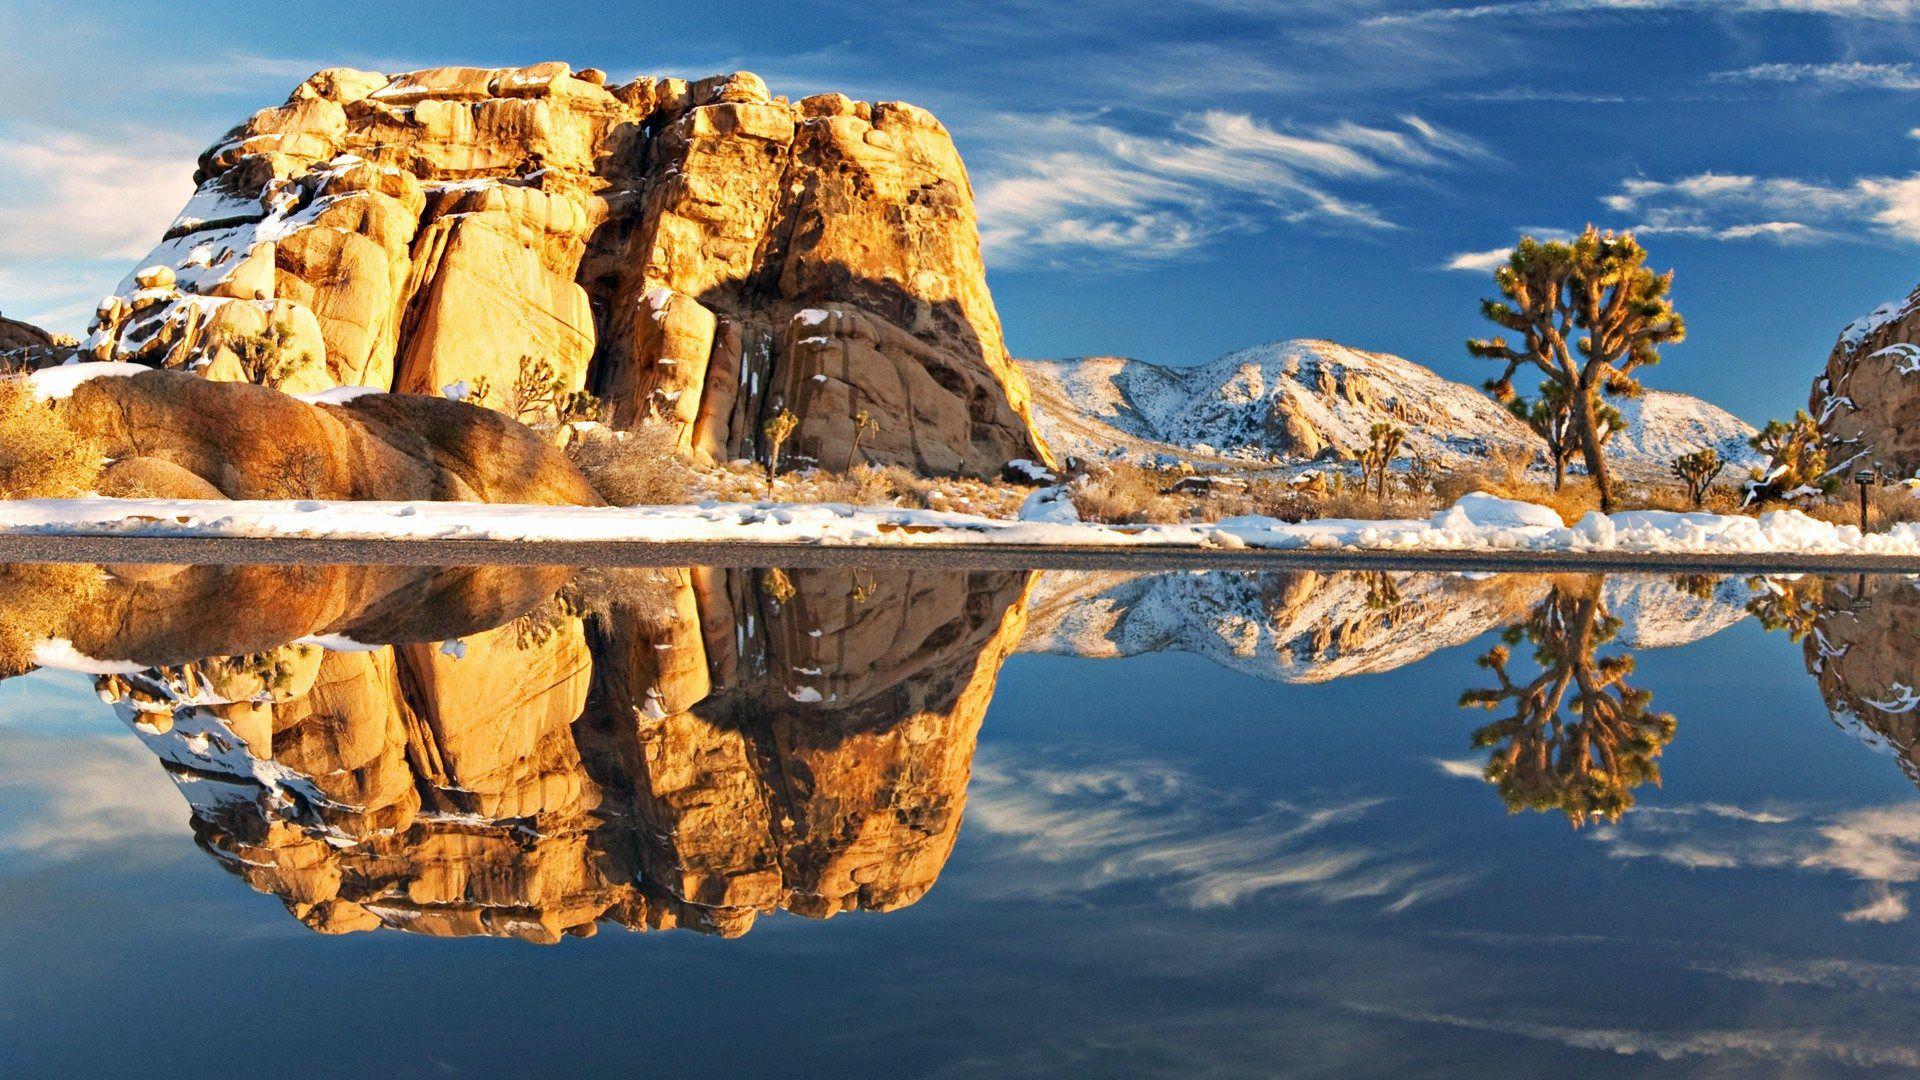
(1307, 627)
(1657, 613)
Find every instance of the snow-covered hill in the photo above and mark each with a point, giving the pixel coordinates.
(1294, 400)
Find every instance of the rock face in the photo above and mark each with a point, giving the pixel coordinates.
(1301, 400)
(175, 435)
(707, 747)
(18, 335)
(1861, 642)
(1868, 399)
(701, 252)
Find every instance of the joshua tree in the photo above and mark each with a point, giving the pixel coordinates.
(777, 428)
(1383, 442)
(863, 423)
(538, 392)
(1585, 764)
(268, 357)
(1598, 288)
(1698, 471)
(1797, 461)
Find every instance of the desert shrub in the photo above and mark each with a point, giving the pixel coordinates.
(41, 456)
(36, 600)
(1886, 507)
(640, 467)
(1124, 494)
(268, 358)
(1796, 461)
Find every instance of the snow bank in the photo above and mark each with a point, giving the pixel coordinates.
(59, 383)
(1477, 523)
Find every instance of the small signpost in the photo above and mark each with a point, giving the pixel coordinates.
(1865, 478)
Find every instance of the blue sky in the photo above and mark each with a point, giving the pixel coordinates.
(1168, 179)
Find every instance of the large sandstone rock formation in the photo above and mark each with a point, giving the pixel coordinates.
(174, 435)
(1861, 642)
(15, 334)
(1868, 399)
(707, 747)
(700, 252)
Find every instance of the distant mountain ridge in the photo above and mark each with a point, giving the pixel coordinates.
(1296, 400)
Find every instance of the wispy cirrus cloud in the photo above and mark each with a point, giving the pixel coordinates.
(1850, 75)
(1879, 10)
(1876, 846)
(1734, 206)
(1093, 826)
(1076, 186)
(79, 209)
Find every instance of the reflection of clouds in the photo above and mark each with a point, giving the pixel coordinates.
(64, 796)
(1669, 1046)
(1828, 972)
(1141, 822)
(1876, 845)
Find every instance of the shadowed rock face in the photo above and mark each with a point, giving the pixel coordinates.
(175, 435)
(700, 252)
(1868, 399)
(709, 746)
(1861, 639)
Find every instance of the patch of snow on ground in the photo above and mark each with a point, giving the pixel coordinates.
(59, 383)
(1502, 526)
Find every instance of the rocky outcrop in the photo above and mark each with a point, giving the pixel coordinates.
(172, 434)
(1867, 401)
(19, 335)
(441, 752)
(700, 252)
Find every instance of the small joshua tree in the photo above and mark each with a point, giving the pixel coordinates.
(539, 392)
(267, 358)
(863, 423)
(1383, 442)
(776, 429)
(1549, 417)
(1697, 471)
(1797, 461)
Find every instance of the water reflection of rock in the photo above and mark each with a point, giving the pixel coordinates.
(700, 748)
(1861, 639)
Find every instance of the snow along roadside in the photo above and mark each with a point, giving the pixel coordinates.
(1478, 522)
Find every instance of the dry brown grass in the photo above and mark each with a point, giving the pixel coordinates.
(641, 467)
(36, 602)
(1123, 494)
(41, 456)
(1886, 507)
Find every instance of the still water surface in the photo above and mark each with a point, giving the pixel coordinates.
(349, 821)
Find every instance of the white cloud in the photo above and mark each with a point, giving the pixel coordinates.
(1731, 206)
(71, 795)
(1091, 827)
(80, 209)
(1464, 768)
(1885, 10)
(1838, 75)
(1878, 846)
(1078, 185)
(1794, 1044)
(1479, 262)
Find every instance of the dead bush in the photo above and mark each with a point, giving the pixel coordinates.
(640, 467)
(1123, 494)
(41, 456)
(1886, 507)
(36, 601)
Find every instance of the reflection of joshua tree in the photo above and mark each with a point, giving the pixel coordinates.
(1586, 764)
